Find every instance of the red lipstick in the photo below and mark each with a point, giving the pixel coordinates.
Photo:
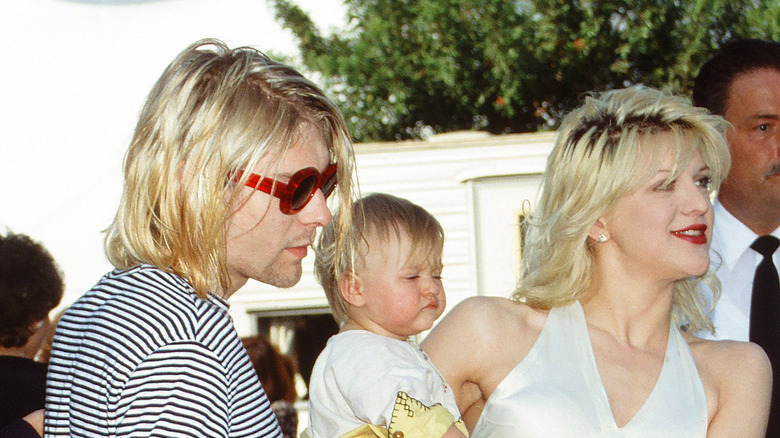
(694, 234)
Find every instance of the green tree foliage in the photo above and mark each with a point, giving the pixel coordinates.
(401, 68)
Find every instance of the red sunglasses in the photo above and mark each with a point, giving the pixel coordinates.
(294, 195)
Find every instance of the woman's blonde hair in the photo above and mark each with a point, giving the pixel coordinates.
(383, 217)
(214, 111)
(605, 150)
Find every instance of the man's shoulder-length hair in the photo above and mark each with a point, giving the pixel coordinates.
(214, 111)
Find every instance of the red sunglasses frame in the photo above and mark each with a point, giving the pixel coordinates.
(286, 191)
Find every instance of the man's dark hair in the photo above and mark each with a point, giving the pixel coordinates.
(711, 87)
(30, 286)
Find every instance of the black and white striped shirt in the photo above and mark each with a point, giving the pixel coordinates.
(140, 355)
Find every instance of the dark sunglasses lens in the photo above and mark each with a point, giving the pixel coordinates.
(329, 185)
(303, 192)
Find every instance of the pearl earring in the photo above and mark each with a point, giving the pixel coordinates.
(602, 237)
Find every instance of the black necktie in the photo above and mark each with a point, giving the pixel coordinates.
(765, 304)
(765, 319)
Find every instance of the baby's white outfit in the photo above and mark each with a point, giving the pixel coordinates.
(357, 377)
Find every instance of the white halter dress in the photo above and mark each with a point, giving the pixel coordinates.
(556, 391)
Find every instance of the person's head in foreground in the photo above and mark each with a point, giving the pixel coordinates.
(227, 174)
(392, 286)
(632, 172)
(742, 83)
(31, 286)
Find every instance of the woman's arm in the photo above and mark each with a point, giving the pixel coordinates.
(469, 346)
(31, 426)
(453, 432)
(35, 419)
(743, 391)
(446, 345)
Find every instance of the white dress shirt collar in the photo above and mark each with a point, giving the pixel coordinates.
(730, 237)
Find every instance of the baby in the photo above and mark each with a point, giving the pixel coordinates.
(372, 379)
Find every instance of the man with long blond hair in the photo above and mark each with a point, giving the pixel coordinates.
(226, 179)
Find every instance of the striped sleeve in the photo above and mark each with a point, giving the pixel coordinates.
(177, 391)
(140, 354)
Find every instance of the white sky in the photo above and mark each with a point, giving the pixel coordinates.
(73, 77)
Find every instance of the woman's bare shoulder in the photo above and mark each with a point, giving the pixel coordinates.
(717, 363)
(493, 315)
(737, 379)
(478, 343)
(486, 325)
(722, 355)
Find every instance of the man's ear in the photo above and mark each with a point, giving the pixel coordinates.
(598, 231)
(351, 289)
